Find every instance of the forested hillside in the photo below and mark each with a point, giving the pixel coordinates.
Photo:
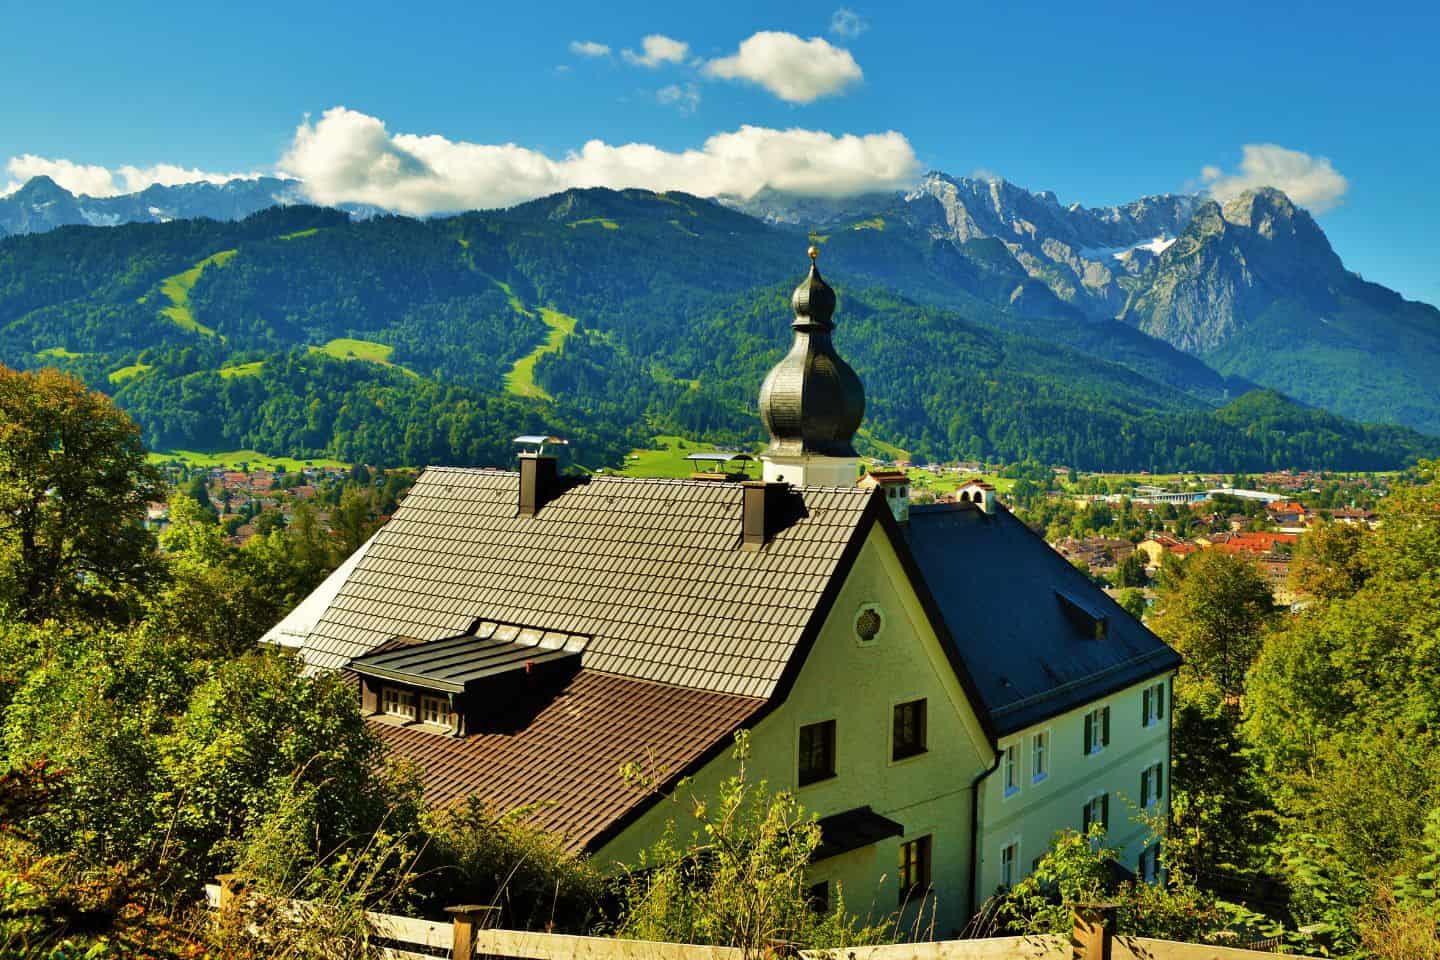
(608, 317)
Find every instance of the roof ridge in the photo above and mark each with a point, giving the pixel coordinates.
(662, 481)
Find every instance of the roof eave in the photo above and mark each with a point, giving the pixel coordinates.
(410, 679)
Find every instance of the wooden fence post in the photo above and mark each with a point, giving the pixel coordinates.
(1094, 926)
(468, 920)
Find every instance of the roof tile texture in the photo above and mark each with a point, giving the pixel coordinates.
(651, 569)
(566, 761)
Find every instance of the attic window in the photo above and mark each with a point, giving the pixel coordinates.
(868, 624)
(1087, 616)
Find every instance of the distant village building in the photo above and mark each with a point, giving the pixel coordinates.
(937, 684)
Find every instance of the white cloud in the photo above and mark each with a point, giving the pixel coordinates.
(97, 181)
(793, 69)
(658, 49)
(589, 48)
(685, 98)
(350, 157)
(1312, 182)
(847, 23)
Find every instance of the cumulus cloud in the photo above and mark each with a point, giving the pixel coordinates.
(349, 156)
(1312, 182)
(847, 23)
(98, 181)
(684, 98)
(795, 70)
(589, 48)
(658, 49)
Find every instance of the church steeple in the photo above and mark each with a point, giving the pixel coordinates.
(812, 402)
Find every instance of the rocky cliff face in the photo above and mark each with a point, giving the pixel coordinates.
(42, 204)
(1229, 265)
(1081, 254)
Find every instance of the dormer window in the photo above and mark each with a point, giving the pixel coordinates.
(486, 678)
(395, 702)
(434, 711)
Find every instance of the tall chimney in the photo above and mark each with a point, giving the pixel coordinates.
(539, 482)
(760, 512)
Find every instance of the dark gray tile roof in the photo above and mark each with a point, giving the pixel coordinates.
(999, 589)
(650, 570)
(456, 664)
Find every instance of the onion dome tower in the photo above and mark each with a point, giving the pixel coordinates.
(812, 402)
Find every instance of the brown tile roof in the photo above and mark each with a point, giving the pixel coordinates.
(650, 569)
(567, 759)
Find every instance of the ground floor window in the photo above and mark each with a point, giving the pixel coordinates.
(1009, 857)
(1148, 868)
(818, 896)
(914, 869)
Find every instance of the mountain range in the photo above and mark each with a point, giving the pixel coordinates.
(987, 321)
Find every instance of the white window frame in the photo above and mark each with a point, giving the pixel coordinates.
(1152, 785)
(1010, 763)
(441, 707)
(1155, 703)
(395, 702)
(1149, 866)
(1010, 863)
(1096, 743)
(1098, 803)
(1040, 747)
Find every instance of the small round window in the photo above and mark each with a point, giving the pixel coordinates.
(868, 624)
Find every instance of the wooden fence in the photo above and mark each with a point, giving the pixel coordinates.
(467, 937)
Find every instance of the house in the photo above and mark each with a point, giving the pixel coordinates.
(1352, 515)
(935, 683)
(1286, 512)
(1154, 549)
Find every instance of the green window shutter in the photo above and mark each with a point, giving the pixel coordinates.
(1160, 700)
(1105, 812)
(1159, 780)
(1105, 727)
(1144, 788)
(1085, 818)
(1089, 732)
(1145, 706)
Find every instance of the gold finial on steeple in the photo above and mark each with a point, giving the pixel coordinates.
(814, 252)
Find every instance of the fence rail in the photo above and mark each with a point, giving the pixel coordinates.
(467, 937)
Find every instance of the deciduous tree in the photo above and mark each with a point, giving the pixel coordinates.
(74, 482)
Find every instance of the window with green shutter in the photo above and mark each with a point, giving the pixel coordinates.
(1097, 730)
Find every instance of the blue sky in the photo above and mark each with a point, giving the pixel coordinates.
(1100, 104)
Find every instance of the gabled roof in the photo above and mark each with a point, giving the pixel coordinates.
(650, 570)
(1003, 593)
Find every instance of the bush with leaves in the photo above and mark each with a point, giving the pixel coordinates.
(739, 879)
(474, 855)
(1079, 869)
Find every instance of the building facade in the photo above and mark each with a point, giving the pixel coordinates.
(923, 677)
